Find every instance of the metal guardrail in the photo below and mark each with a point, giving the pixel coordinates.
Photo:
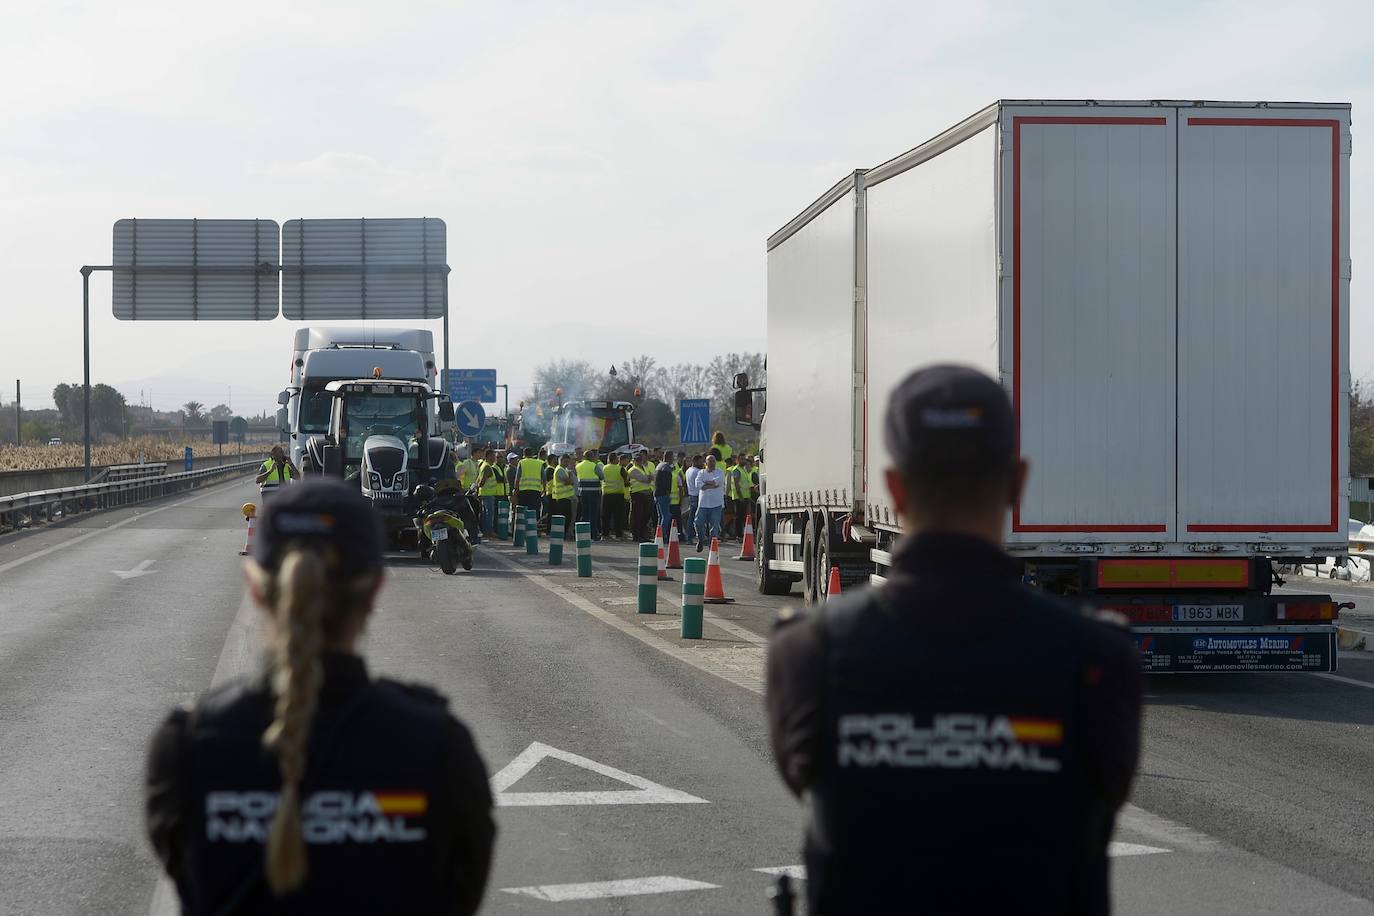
(23, 509)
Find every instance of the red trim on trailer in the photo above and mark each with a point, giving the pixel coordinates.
(1016, 122)
(1089, 528)
(1335, 128)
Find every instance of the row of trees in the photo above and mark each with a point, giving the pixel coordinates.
(1361, 431)
(655, 388)
(110, 409)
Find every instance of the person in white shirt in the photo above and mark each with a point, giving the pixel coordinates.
(710, 502)
(691, 520)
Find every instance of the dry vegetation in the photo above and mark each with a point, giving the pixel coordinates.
(70, 455)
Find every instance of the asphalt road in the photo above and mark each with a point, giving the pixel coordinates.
(622, 754)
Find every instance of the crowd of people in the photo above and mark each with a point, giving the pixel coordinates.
(620, 495)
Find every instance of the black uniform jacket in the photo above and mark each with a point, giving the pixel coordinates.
(396, 805)
(964, 741)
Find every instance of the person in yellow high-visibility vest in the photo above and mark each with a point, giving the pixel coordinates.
(744, 496)
(731, 471)
(562, 488)
(491, 484)
(529, 481)
(718, 443)
(614, 484)
(464, 466)
(276, 471)
(551, 465)
(641, 498)
(676, 488)
(590, 474)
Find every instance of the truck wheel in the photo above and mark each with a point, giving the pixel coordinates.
(768, 581)
(810, 592)
(823, 566)
(443, 552)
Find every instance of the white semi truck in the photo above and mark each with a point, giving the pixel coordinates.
(1162, 289)
(323, 355)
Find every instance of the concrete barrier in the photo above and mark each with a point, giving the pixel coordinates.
(13, 482)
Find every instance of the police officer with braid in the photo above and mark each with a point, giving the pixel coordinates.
(314, 787)
(963, 741)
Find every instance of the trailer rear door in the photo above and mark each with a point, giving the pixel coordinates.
(1091, 316)
(1262, 246)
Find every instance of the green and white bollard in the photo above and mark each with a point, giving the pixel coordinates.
(693, 591)
(648, 577)
(503, 519)
(556, 526)
(532, 533)
(583, 531)
(519, 527)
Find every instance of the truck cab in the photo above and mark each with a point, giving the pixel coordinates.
(324, 355)
(601, 425)
(381, 434)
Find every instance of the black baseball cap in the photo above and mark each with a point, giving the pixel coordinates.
(949, 419)
(322, 512)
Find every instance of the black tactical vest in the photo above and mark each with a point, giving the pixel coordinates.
(369, 802)
(947, 779)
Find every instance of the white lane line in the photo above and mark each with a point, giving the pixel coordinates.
(597, 890)
(644, 792)
(1345, 680)
(70, 542)
(751, 680)
(243, 644)
(140, 570)
(242, 647)
(1117, 850)
(1171, 834)
(165, 900)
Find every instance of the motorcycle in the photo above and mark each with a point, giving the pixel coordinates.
(440, 527)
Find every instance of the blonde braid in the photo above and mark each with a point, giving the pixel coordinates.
(299, 601)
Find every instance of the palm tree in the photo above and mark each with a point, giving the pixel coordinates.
(194, 413)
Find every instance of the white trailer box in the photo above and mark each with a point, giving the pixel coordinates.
(813, 280)
(1163, 290)
(1161, 287)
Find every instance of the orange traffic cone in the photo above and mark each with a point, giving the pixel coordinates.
(250, 512)
(746, 550)
(833, 587)
(715, 588)
(662, 561)
(674, 551)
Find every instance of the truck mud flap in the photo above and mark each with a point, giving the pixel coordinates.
(1225, 650)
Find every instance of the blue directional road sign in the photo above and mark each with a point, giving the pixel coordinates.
(694, 418)
(469, 418)
(471, 385)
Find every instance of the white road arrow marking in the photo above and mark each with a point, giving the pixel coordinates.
(595, 890)
(140, 570)
(797, 872)
(644, 792)
(1116, 850)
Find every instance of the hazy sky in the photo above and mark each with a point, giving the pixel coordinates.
(608, 171)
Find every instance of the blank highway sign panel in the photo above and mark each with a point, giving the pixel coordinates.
(196, 269)
(355, 269)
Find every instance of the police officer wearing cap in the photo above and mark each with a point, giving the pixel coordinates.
(314, 787)
(963, 741)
